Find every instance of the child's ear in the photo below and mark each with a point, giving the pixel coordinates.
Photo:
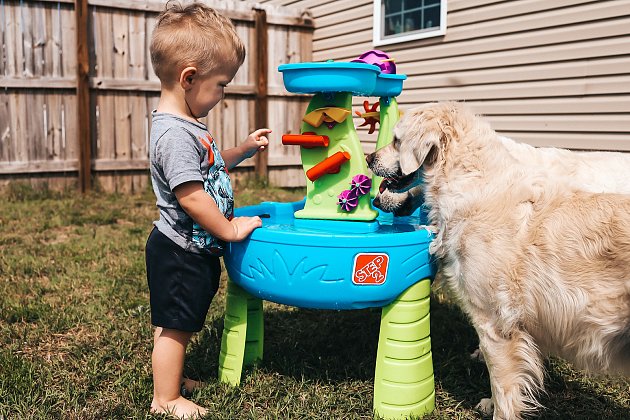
(187, 77)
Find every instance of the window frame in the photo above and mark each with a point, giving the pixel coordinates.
(378, 38)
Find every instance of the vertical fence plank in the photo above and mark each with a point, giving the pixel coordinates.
(27, 39)
(103, 34)
(21, 128)
(106, 139)
(55, 130)
(39, 39)
(228, 123)
(56, 47)
(33, 120)
(138, 112)
(242, 75)
(262, 38)
(18, 28)
(123, 138)
(70, 129)
(3, 54)
(122, 114)
(49, 41)
(137, 55)
(8, 26)
(150, 21)
(83, 95)
(69, 42)
(13, 132)
(242, 128)
(5, 126)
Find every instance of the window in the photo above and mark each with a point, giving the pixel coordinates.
(406, 20)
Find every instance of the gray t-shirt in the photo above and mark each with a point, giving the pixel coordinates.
(182, 151)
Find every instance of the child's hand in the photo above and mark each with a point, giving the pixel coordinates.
(243, 226)
(255, 142)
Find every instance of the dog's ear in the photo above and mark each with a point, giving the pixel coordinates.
(423, 135)
(416, 148)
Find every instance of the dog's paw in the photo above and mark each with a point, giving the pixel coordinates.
(485, 407)
(477, 355)
(393, 202)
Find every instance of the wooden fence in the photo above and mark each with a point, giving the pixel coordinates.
(77, 89)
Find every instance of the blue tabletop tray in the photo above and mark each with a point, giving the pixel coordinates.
(301, 264)
(361, 79)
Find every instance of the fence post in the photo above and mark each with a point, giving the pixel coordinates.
(83, 95)
(261, 105)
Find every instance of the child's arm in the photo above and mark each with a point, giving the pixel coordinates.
(255, 142)
(201, 207)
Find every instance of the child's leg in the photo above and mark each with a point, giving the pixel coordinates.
(189, 385)
(168, 364)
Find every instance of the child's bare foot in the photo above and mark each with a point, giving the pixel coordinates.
(180, 408)
(189, 386)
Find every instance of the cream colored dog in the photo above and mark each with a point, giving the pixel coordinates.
(533, 242)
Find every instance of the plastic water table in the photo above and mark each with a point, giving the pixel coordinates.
(333, 250)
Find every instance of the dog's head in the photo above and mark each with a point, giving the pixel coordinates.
(419, 138)
(420, 141)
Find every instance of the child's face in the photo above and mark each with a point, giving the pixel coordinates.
(207, 91)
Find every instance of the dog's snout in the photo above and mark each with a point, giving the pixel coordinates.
(370, 158)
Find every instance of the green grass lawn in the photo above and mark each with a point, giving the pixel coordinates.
(75, 337)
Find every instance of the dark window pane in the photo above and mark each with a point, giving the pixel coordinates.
(392, 25)
(408, 16)
(392, 6)
(431, 17)
(413, 21)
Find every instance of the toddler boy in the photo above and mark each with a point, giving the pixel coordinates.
(195, 53)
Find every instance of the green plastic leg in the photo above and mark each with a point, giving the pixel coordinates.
(255, 332)
(242, 340)
(403, 381)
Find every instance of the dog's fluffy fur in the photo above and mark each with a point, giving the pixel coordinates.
(533, 242)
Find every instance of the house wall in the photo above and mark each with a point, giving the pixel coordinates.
(549, 73)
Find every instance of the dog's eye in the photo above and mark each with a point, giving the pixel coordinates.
(396, 142)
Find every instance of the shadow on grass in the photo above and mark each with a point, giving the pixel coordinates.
(322, 345)
(337, 347)
(573, 394)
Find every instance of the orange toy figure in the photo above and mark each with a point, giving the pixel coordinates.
(371, 115)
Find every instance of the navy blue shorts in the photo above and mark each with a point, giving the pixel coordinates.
(181, 284)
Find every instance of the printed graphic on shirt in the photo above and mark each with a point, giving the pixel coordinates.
(218, 185)
(208, 145)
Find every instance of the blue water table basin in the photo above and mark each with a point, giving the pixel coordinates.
(361, 79)
(329, 264)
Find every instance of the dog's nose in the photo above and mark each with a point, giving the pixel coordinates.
(376, 201)
(369, 158)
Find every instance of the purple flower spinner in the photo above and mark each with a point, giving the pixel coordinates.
(361, 184)
(348, 200)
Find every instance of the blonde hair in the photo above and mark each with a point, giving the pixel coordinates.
(193, 35)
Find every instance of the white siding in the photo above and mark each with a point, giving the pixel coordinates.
(550, 73)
